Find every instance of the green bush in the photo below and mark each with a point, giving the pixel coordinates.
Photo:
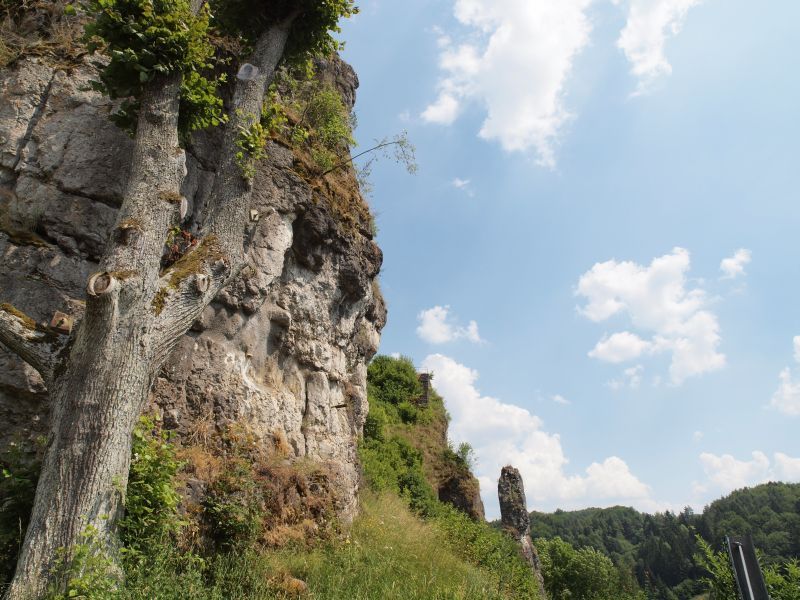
(375, 423)
(234, 506)
(783, 580)
(408, 413)
(152, 498)
(86, 571)
(19, 474)
(488, 548)
(392, 380)
(581, 573)
(395, 465)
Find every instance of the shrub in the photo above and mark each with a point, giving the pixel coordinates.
(233, 507)
(584, 573)
(19, 474)
(492, 550)
(85, 572)
(783, 580)
(375, 423)
(393, 380)
(395, 465)
(152, 498)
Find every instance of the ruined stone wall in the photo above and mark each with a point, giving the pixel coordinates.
(283, 350)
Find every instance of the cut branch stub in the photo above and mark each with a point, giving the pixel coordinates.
(100, 284)
(201, 282)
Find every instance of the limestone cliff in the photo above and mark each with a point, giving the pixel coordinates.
(283, 350)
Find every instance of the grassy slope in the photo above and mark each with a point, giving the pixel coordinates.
(390, 553)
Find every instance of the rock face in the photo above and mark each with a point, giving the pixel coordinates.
(515, 518)
(282, 350)
(463, 491)
(513, 507)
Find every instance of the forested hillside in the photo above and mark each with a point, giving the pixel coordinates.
(661, 549)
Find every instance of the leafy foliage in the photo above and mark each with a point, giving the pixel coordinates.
(145, 39)
(86, 572)
(783, 581)
(151, 500)
(251, 142)
(392, 463)
(18, 476)
(662, 549)
(312, 28)
(234, 507)
(584, 573)
(392, 381)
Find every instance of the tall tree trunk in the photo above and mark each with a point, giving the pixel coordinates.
(99, 378)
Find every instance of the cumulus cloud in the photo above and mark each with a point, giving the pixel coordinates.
(502, 433)
(786, 398)
(620, 347)
(515, 63)
(648, 26)
(656, 300)
(436, 326)
(631, 378)
(727, 473)
(733, 266)
(559, 399)
(787, 467)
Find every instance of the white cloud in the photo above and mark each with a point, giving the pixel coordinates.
(437, 327)
(786, 398)
(559, 399)
(656, 300)
(631, 378)
(464, 185)
(733, 266)
(620, 347)
(697, 436)
(788, 468)
(503, 433)
(649, 24)
(515, 64)
(727, 473)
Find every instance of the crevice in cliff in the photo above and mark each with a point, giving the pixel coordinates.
(35, 118)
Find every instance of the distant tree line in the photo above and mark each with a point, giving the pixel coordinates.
(662, 551)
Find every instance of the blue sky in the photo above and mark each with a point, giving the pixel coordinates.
(598, 256)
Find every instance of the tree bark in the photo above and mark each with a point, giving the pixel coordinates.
(99, 378)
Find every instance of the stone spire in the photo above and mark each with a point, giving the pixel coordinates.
(516, 520)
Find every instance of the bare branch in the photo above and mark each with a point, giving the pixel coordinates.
(36, 345)
(404, 153)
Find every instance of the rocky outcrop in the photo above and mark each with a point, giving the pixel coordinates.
(516, 520)
(462, 490)
(283, 350)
